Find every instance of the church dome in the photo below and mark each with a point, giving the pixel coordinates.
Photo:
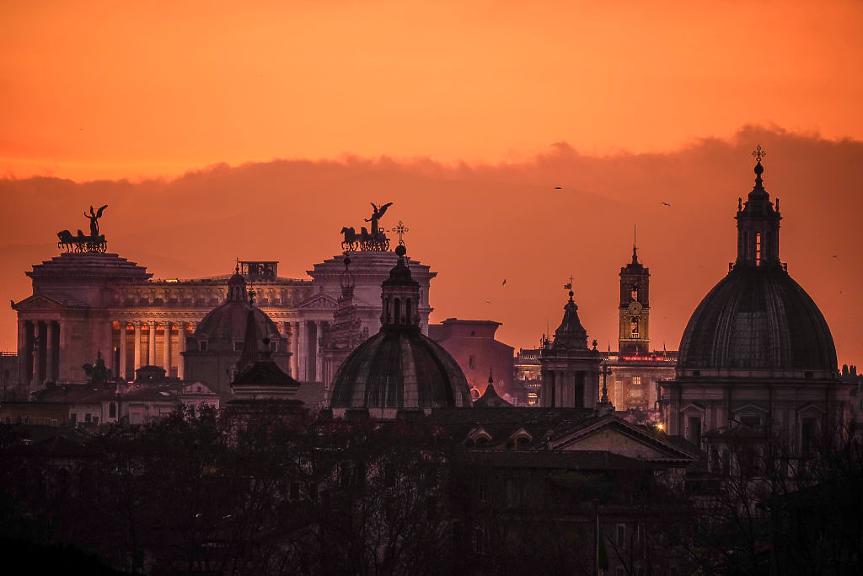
(225, 325)
(757, 317)
(399, 367)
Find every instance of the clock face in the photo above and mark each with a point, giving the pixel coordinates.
(635, 307)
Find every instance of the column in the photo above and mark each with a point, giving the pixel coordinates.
(167, 350)
(40, 352)
(319, 368)
(54, 334)
(181, 346)
(27, 362)
(295, 349)
(49, 352)
(137, 345)
(123, 366)
(151, 349)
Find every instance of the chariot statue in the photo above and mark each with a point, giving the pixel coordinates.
(95, 242)
(375, 240)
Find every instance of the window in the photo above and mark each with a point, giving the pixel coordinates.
(238, 346)
(202, 345)
(470, 362)
(636, 380)
(633, 327)
(112, 410)
(751, 421)
(620, 536)
(482, 490)
(634, 294)
(694, 435)
(807, 435)
(758, 248)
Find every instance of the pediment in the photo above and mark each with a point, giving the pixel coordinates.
(320, 301)
(38, 302)
(749, 408)
(693, 407)
(811, 408)
(621, 438)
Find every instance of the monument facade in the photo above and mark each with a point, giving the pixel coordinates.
(87, 301)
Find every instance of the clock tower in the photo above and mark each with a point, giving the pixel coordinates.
(634, 309)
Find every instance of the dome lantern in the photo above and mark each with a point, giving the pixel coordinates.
(758, 224)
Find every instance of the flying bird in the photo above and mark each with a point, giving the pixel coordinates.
(504, 281)
(558, 188)
(666, 204)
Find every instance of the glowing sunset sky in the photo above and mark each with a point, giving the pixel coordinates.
(481, 109)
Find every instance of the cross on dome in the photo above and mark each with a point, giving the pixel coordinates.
(759, 153)
(401, 230)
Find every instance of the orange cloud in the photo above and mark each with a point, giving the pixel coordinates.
(478, 223)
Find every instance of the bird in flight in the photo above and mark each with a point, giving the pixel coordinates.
(666, 204)
(558, 188)
(504, 281)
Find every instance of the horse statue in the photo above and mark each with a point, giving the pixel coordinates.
(351, 240)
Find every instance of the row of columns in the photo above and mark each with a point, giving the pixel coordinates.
(307, 362)
(167, 355)
(40, 361)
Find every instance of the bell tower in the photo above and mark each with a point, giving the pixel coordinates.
(634, 308)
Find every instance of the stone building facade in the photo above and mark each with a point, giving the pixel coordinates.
(87, 303)
(473, 345)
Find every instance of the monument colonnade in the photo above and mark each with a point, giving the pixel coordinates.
(142, 340)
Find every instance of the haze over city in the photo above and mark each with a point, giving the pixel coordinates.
(517, 143)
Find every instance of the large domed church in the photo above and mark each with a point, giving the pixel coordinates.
(757, 350)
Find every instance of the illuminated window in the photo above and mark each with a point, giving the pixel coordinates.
(758, 248)
(636, 380)
(634, 294)
(633, 327)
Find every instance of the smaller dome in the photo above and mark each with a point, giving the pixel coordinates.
(225, 324)
(399, 367)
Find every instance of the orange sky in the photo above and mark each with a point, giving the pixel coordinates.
(469, 98)
(120, 89)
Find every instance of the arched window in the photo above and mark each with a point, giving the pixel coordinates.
(112, 410)
(398, 316)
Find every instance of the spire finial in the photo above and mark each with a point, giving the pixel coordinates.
(401, 230)
(568, 286)
(759, 153)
